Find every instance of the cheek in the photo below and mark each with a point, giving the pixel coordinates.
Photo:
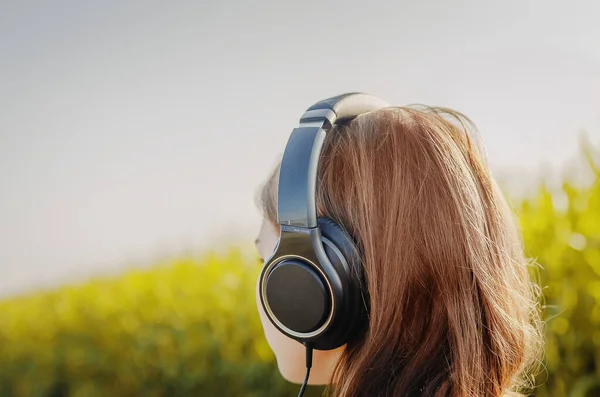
(289, 353)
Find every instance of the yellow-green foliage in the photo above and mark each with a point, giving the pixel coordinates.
(186, 329)
(190, 328)
(561, 231)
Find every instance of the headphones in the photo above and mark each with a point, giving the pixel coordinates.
(306, 287)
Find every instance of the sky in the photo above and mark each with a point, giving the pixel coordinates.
(131, 131)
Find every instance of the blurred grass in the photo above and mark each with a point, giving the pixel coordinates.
(561, 230)
(190, 328)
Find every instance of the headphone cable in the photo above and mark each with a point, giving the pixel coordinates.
(309, 351)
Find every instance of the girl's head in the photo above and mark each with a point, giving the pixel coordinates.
(451, 309)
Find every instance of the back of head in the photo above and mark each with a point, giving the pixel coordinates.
(451, 308)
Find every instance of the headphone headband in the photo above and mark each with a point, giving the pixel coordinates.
(298, 174)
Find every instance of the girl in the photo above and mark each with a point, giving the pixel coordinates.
(451, 309)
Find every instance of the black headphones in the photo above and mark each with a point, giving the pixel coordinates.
(306, 287)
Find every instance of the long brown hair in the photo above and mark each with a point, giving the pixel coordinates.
(452, 309)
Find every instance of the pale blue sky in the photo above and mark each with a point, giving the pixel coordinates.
(133, 130)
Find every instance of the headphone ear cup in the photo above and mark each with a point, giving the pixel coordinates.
(342, 240)
(345, 257)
